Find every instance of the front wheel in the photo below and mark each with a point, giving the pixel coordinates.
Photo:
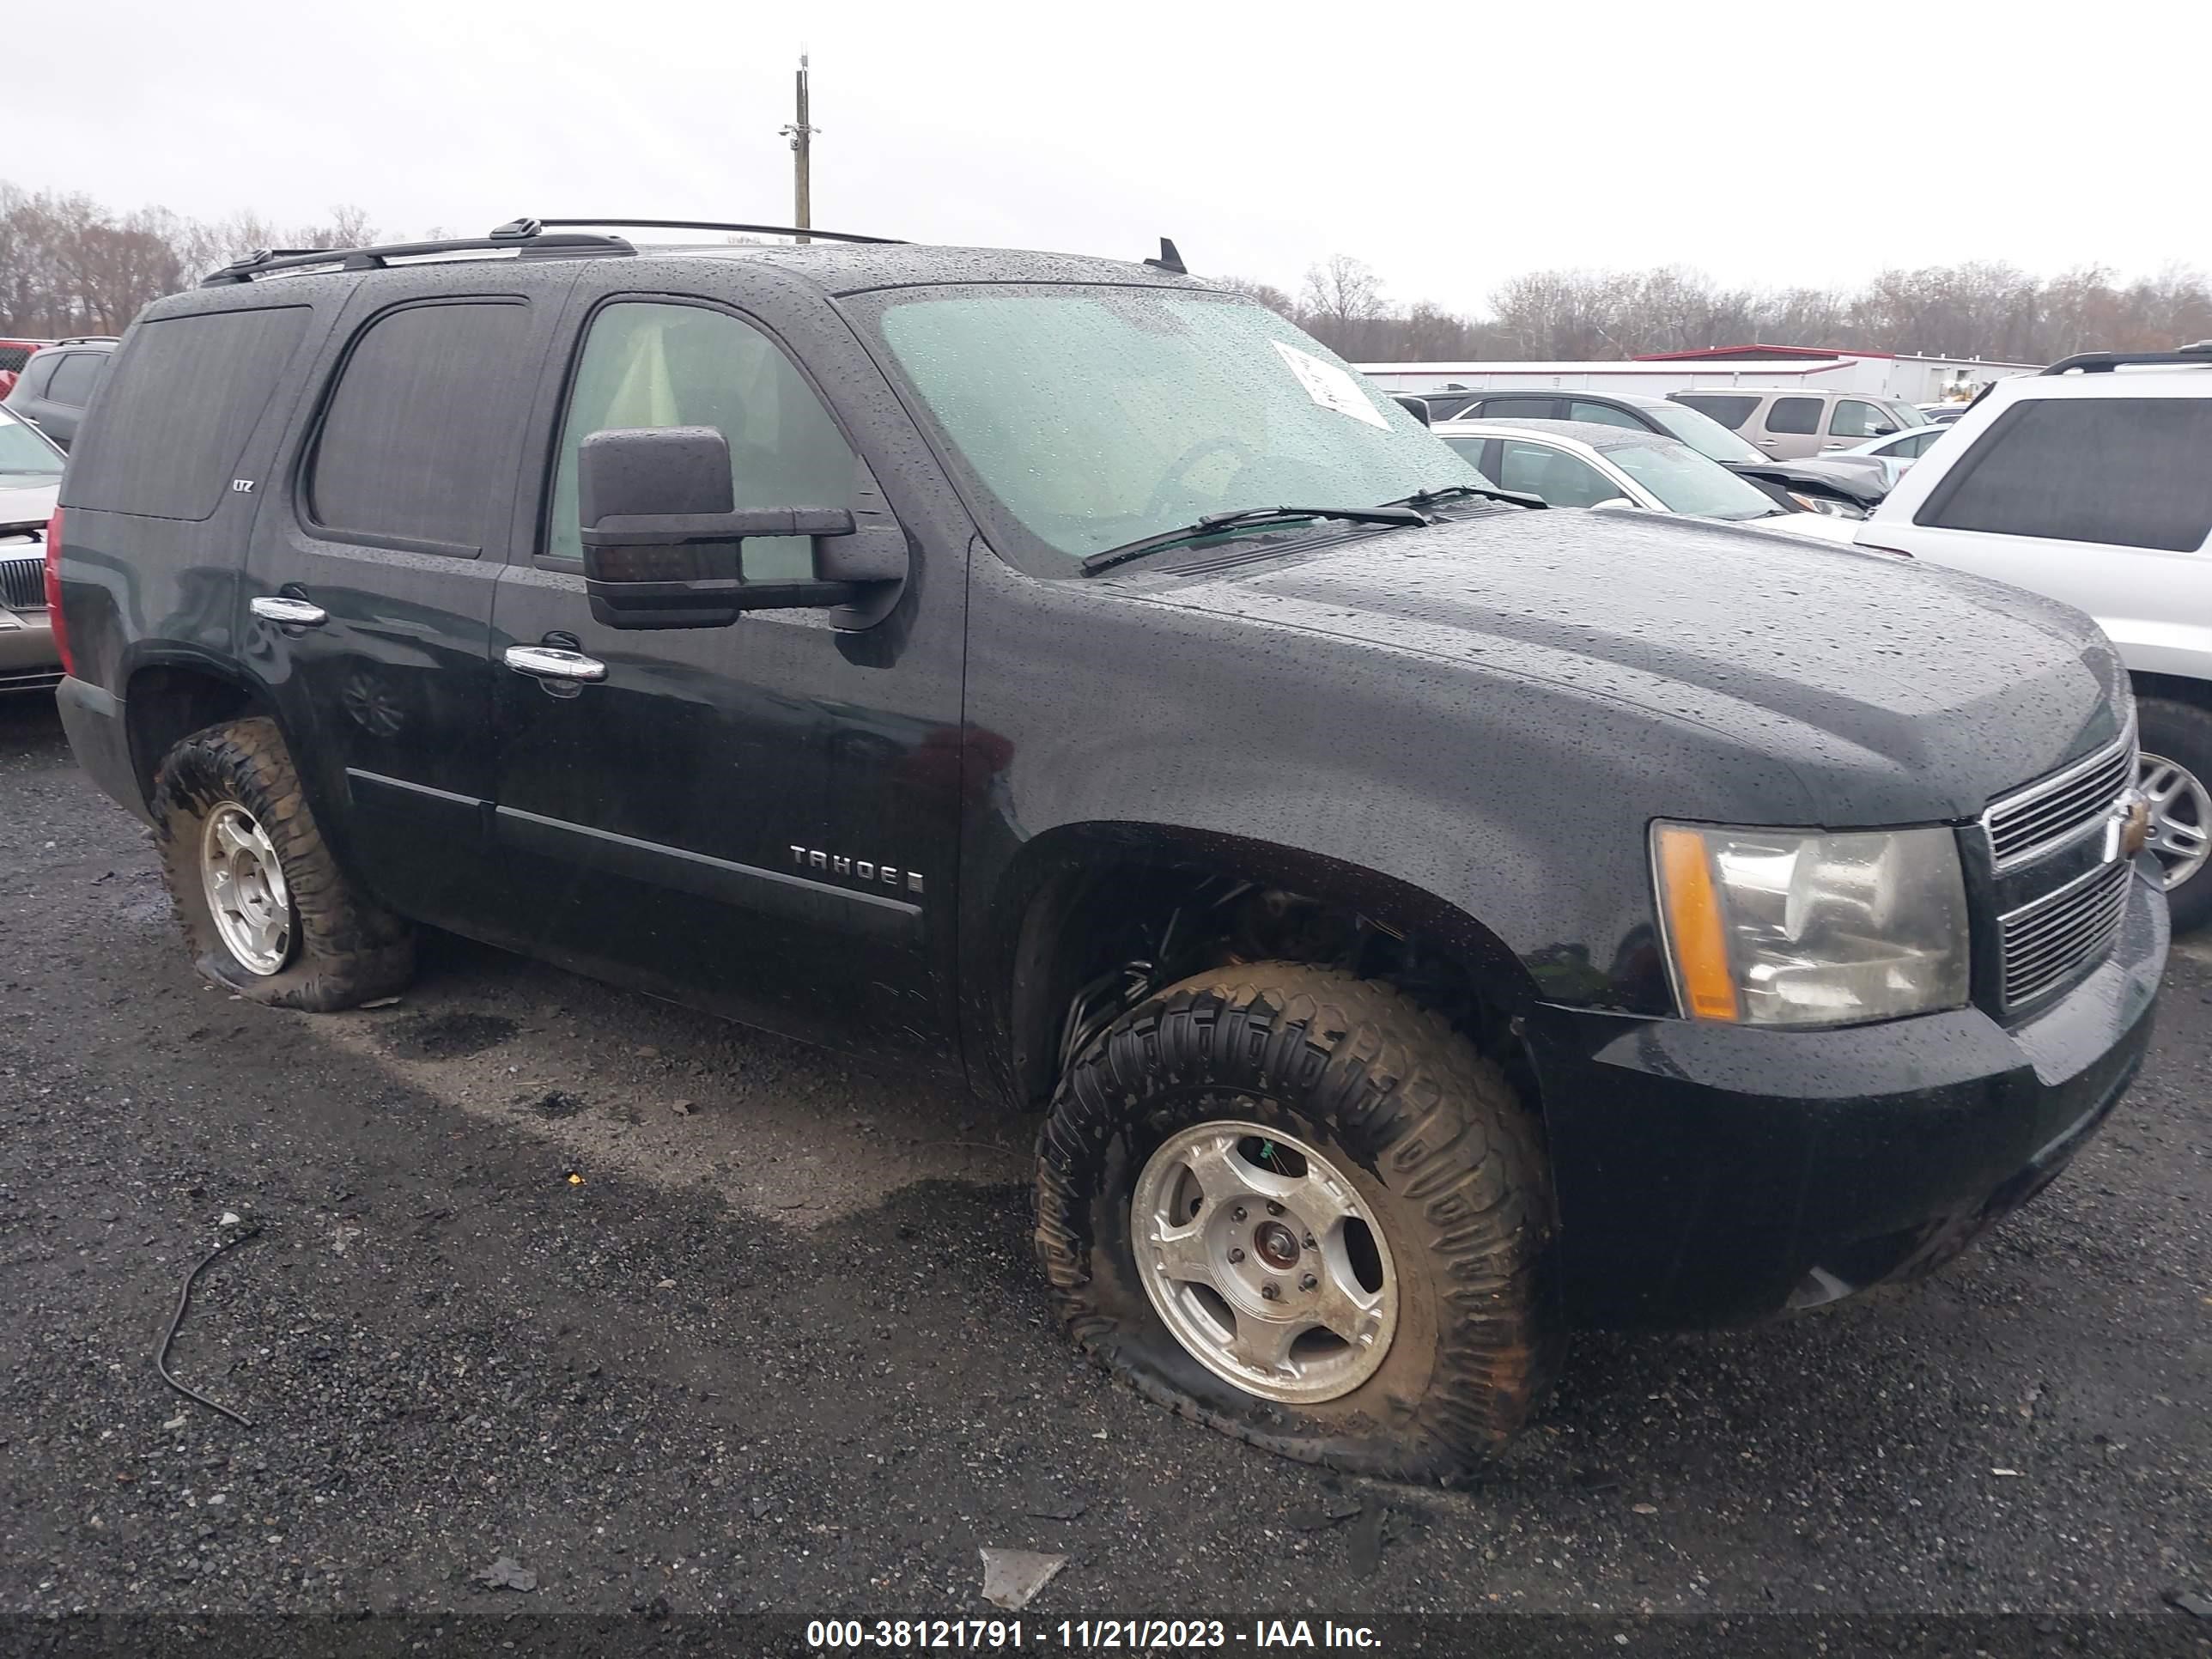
(1290, 1204)
(2174, 774)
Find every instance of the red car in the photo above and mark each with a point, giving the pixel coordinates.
(14, 354)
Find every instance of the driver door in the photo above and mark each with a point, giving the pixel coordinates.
(760, 818)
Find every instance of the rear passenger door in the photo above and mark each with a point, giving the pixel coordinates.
(369, 592)
(1854, 420)
(1790, 426)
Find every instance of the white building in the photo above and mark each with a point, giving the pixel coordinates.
(1910, 376)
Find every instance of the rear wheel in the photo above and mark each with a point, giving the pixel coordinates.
(265, 909)
(2174, 774)
(1289, 1203)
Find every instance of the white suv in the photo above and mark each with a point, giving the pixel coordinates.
(2092, 482)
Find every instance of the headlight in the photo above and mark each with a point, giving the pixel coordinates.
(1827, 505)
(1792, 927)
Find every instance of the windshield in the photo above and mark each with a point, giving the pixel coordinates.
(24, 454)
(1688, 483)
(1704, 433)
(1091, 417)
(1906, 415)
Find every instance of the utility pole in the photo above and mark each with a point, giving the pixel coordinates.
(801, 135)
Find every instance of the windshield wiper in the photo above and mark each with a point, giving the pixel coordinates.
(1214, 524)
(1453, 492)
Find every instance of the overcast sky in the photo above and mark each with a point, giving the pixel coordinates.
(1449, 145)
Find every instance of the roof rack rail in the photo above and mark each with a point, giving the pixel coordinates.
(85, 339)
(2104, 362)
(709, 224)
(524, 242)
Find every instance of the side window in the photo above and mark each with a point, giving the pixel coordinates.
(1604, 415)
(1730, 411)
(2122, 471)
(1855, 419)
(1518, 409)
(1470, 451)
(1794, 414)
(74, 378)
(38, 370)
(1906, 448)
(164, 440)
(651, 364)
(417, 439)
(1563, 480)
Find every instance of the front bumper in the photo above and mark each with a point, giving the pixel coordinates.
(28, 660)
(1712, 1175)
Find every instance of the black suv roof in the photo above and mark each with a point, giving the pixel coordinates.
(836, 261)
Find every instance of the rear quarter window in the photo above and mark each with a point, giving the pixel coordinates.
(417, 439)
(183, 396)
(2122, 471)
(1730, 411)
(74, 378)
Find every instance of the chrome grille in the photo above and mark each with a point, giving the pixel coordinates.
(23, 583)
(2053, 810)
(2047, 940)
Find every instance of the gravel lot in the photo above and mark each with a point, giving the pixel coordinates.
(782, 1346)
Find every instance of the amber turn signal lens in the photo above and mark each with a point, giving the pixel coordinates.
(1694, 932)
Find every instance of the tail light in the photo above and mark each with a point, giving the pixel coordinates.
(54, 591)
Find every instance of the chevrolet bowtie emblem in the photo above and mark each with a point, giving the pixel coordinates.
(2128, 827)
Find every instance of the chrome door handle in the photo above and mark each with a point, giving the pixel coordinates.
(547, 662)
(1770, 443)
(292, 613)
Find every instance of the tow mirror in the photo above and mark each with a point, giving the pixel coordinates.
(664, 548)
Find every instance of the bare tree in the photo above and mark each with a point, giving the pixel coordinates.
(1274, 298)
(69, 266)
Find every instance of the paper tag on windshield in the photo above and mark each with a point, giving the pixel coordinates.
(1330, 387)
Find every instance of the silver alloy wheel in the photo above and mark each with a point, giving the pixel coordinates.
(245, 891)
(2181, 817)
(1264, 1261)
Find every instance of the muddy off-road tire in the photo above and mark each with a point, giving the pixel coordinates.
(265, 909)
(1343, 1110)
(2176, 771)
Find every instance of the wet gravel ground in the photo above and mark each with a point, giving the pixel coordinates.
(782, 1346)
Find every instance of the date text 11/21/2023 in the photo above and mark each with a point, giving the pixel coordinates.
(1087, 1635)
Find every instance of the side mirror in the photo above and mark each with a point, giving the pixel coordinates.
(1612, 500)
(664, 548)
(1416, 407)
(1883, 432)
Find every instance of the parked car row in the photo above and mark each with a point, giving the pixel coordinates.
(1789, 423)
(1585, 463)
(2088, 483)
(1817, 486)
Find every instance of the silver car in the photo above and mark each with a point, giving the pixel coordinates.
(30, 479)
(1789, 423)
(1582, 464)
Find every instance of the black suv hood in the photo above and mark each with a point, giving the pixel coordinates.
(1895, 691)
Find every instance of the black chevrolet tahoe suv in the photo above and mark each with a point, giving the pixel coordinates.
(1427, 924)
